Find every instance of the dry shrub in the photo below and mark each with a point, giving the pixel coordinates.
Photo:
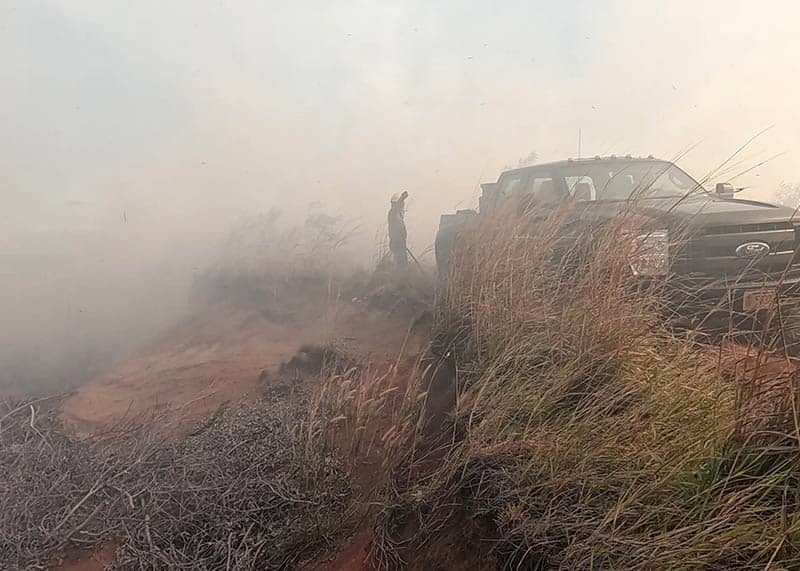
(270, 261)
(589, 435)
(404, 291)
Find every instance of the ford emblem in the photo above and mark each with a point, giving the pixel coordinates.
(752, 249)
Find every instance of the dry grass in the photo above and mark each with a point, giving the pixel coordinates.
(365, 417)
(371, 421)
(589, 435)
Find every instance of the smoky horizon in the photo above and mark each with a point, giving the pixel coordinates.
(138, 137)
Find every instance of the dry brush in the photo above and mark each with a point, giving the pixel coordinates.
(589, 434)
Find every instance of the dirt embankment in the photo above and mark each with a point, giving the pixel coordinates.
(224, 355)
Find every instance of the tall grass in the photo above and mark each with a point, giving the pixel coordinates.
(590, 436)
(367, 418)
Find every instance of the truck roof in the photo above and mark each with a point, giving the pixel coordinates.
(589, 160)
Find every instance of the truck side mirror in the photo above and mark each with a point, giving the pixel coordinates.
(724, 190)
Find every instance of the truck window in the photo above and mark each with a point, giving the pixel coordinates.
(511, 184)
(538, 183)
(581, 187)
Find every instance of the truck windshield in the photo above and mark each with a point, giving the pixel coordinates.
(622, 180)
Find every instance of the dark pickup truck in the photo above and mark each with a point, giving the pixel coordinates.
(742, 249)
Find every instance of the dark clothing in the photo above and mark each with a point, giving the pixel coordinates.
(397, 234)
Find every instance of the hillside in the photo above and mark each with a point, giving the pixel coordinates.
(533, 417)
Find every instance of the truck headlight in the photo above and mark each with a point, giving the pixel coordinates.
(650, 255)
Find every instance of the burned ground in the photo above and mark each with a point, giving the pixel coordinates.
(233, 492)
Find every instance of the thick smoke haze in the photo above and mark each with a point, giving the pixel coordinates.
(135, 134)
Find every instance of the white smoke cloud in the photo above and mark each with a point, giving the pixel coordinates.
(134, 134)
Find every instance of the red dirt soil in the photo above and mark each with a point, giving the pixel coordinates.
(102, 557)
(218, 357)
(352, 556)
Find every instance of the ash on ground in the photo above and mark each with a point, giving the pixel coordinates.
(236, 493)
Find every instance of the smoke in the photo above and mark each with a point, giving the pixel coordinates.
(136, 134)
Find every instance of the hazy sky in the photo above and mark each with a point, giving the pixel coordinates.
(133, 133)
(182, 112)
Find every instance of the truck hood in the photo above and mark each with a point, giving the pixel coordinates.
(709, 210)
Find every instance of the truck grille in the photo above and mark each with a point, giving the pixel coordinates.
(703, 251)
(712, 250)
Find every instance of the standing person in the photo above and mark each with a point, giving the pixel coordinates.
(397, 229)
